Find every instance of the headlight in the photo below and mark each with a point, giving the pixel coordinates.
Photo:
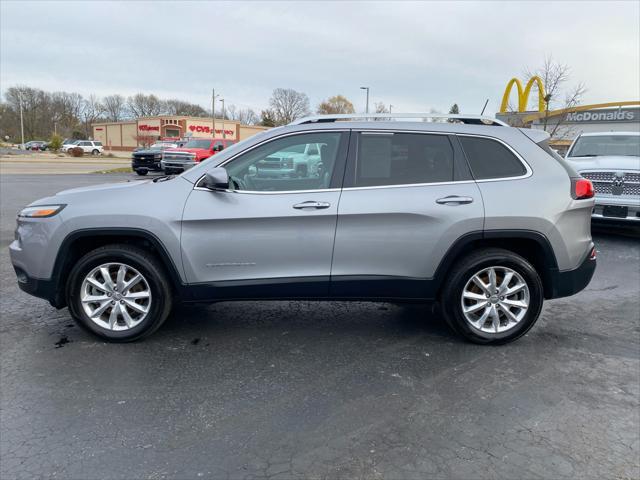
(40, 211)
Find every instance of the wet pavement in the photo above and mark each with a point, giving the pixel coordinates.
(320, 390)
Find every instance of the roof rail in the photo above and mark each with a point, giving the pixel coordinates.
(467, 119)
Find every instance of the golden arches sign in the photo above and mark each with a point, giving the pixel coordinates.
(523, 95)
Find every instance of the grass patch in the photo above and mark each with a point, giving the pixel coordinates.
(116, 170)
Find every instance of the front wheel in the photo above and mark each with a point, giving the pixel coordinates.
(95, 152)
(119, 292)
(493, 296)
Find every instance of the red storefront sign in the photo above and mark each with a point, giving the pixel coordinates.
(206, 129)
(148, 128)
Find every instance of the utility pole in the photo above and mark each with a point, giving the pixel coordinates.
(390, 107)
(213, 110)
(21, 120)
(224, 135)
(367, 107)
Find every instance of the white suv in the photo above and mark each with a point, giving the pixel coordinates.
(92, 147)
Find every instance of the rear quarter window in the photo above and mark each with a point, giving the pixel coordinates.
(490, 159)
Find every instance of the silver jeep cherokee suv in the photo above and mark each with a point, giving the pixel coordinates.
(482, 218)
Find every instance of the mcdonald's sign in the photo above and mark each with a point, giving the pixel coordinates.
(523, 94)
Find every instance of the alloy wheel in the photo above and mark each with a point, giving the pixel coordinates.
(495, 299)
(115, 296)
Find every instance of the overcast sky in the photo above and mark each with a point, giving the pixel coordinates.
(414, 55)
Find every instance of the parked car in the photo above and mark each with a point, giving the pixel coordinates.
(145, 160)
(33, 145)
(68, 143)
(611, 160)
(481, 218)
(92, 147)
(176, 160)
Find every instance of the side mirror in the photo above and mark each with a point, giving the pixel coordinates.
(216, 179)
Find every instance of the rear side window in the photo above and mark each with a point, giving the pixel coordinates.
(403, 158)
(490, 159)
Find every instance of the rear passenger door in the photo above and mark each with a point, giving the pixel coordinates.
(408, 196)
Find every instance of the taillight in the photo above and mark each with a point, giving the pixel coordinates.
(581, 188)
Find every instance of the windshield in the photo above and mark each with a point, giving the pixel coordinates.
(163, 145)
(198, 144)
(601, 145)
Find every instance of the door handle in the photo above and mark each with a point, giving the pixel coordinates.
(454, 200)
(312, 204)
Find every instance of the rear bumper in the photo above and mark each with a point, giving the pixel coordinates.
(570, 282)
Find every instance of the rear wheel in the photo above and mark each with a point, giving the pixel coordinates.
(119, 292)
(492, 296)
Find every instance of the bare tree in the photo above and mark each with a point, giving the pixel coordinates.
(141, 105)
(246, 116)
(92, 109)
(287, 105)
(336, 105)
(381, 108)
(554, 76)
(115, 107)
(180, 107)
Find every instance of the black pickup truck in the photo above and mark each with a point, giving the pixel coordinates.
(145, 160)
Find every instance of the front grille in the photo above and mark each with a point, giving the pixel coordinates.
(145, 158)
(178, 157)
(604, 182)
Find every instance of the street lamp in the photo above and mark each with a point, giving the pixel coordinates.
(367, 89)
(223, 115)
(213, 110)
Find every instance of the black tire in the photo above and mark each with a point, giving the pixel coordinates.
(142, 172)
(147, 265)
(95, 152)
(465, 269)
(302, 171)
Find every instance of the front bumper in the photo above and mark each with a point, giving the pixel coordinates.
(569, 282)
(631, 203)
(38, 287)
(171, 165)
(154, 165)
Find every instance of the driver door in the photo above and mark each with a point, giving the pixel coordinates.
(271, 234)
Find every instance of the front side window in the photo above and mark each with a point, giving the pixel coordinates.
(402, 159)
(283, 165)
(602, 145)
(489, 159)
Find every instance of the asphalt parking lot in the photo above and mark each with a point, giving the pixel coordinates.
(319, 390)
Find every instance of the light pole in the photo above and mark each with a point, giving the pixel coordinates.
(213, 110)
(21, 120)
(367, 89)
(224, 135)
(390, 107)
